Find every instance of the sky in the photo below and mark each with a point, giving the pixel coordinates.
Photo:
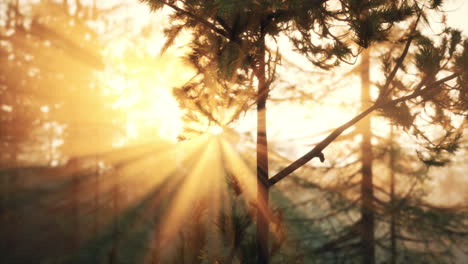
(457, 12)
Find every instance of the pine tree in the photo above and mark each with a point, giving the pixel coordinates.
(229, 45)
(367, 188)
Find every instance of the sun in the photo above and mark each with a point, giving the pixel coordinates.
(142, 83)
(215, 130)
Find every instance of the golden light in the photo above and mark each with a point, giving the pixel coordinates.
(215, 130)
(142, 83)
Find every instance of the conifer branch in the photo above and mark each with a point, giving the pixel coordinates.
(400, 60)
(317, 150)
(198, 19)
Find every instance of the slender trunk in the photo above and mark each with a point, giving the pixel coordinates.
(393, 231)
(367, 193)
(8, 212)
(97, 194)
(114, 252)
(262, 159)
(75, 208)
(3, 215)
(12, 185)
(76, 170)
(93, 14)
(78, 9)
(17, 14)
(155, 253)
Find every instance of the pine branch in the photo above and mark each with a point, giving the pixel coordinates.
(317, 150)
(198, 19)
(400, 59)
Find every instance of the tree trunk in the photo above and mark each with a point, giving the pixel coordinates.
(393, 231)
(9, 181)
(97, 196)
(156, 246)
(75, 210)
(114, 252)
(79, 8)
(9, 212)
(367, 192)
(262, 159)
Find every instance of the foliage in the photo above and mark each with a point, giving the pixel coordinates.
(228, 38)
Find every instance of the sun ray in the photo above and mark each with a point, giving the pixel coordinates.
(202, 183)
(240, 170)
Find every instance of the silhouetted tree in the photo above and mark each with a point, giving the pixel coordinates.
(230, 43)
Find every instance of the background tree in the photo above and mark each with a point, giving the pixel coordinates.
(49, 69)
(416, 174)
